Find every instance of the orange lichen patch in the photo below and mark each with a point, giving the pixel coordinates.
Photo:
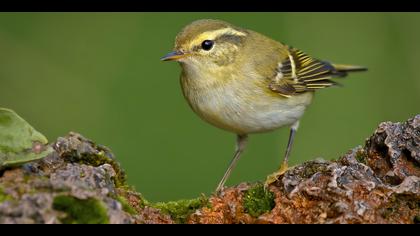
(227, 208)
(134, 199)
(217, 214)
(151, 215)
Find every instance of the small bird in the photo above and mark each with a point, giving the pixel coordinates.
(244, 82)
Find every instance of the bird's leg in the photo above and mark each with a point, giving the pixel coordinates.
(284, 166)
(241, 141)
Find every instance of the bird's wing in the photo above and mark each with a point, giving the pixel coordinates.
(298, 72)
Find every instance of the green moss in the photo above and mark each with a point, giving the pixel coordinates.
(126, 205)
(4, 196)
(311, 168)
(81, 211)
(360, 157)
(257, 200)
(104, 156)
(400, 201)
(180, 210)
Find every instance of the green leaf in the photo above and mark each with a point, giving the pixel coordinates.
(19, 141)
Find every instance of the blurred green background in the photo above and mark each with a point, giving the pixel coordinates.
(99, 74)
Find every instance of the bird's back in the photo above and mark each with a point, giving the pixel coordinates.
(289, 71)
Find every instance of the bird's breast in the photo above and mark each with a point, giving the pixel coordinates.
(241, 106)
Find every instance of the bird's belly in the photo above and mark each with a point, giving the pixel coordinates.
(245, 113)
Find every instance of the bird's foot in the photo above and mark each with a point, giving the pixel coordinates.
(219, 190)
(275, 176)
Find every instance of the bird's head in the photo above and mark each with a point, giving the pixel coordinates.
(208, 44)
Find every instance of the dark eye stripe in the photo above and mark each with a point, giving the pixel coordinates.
(235, 39)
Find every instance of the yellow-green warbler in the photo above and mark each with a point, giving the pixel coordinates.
(244, 82)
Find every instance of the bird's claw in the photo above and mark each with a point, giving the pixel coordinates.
(275, 176)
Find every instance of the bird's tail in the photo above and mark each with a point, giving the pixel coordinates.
(348, 68)
(342, 70)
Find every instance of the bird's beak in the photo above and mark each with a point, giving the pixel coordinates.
(174, 56)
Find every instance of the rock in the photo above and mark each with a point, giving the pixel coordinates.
(82, 182)
(393, 151)
(376, 184)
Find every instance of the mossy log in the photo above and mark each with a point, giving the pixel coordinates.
(82, 182)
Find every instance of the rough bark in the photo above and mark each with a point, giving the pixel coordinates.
(82, 182)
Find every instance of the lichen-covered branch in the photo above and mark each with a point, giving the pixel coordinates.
(82, 182)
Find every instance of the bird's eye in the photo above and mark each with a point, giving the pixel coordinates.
(207, 44)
